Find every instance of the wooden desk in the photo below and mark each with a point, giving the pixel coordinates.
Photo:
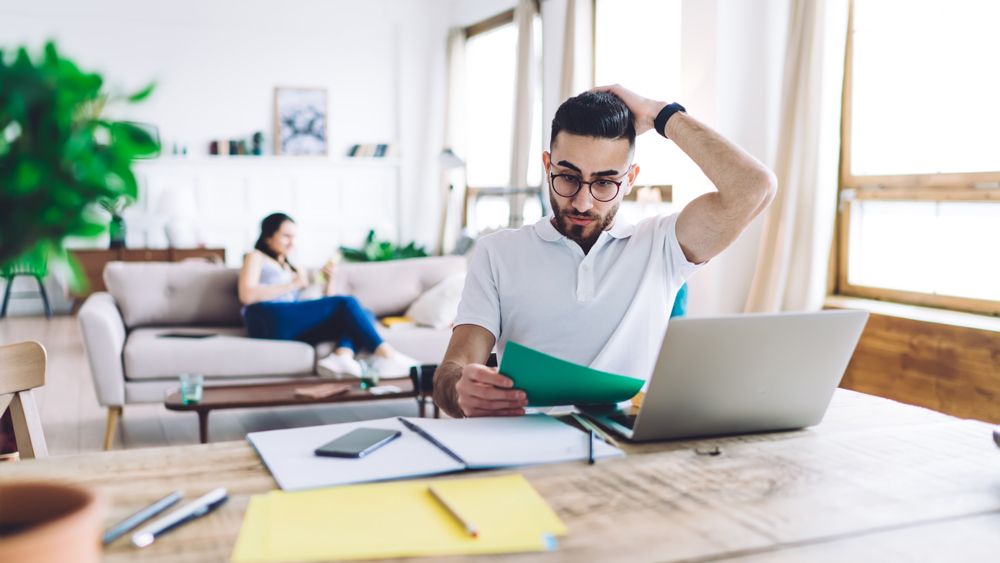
(876, 481)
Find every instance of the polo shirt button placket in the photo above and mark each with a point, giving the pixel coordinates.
(585, 283)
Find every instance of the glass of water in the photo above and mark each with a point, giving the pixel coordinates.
(192, 385)
(369, 375)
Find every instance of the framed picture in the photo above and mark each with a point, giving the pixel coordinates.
(300, 121)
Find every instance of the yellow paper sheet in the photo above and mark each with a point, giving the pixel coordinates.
(251, 546)
(397, 519)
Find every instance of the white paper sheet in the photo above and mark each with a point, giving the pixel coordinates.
(289, 456)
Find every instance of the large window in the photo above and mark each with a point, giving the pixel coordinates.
(920, 165)
(490, 72)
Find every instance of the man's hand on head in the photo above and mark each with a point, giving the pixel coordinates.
(643, 110)
(483, 391)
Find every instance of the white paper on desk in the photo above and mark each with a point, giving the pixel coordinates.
(289, 455)
(508, 441)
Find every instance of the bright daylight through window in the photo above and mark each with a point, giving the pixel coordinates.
(624, 47)
(921, 175)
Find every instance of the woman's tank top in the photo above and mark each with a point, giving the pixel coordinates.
(273, 274)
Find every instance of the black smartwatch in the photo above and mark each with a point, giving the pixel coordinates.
(660, 123)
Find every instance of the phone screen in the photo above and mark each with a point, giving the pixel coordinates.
(358, 442)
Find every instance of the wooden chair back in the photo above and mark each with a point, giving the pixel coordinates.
(22, 369)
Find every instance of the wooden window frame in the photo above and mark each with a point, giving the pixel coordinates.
(973, 187)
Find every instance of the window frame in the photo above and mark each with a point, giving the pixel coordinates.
(972, 187)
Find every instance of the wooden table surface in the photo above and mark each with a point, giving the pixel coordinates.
(876, 481)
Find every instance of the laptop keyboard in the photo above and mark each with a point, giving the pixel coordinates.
(626, 420)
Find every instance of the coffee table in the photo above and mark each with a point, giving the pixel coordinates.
(215, 397)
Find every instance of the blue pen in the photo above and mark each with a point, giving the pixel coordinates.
(194, 509)
(123, 527)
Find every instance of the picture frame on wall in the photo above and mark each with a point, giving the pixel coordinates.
(300, 121)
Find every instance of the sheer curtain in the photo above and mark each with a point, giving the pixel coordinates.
(791, 271)
(452, 174)
(528, 76)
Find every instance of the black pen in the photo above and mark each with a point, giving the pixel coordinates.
(590, 452)
(190, 511)
(123, 527)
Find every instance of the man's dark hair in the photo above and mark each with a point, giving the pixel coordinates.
(594, 114)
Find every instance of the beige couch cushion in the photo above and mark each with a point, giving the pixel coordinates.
(229, 354)
(388, 288)
(163, 293)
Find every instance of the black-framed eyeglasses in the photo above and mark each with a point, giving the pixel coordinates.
(603, 189)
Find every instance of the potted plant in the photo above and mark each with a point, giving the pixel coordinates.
(380, 250)
(59, 154)
(116, 206)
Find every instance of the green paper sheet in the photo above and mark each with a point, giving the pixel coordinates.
(549, 381)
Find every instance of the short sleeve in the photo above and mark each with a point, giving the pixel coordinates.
(679, 267)
(480, 304)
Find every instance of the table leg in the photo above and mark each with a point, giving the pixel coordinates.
(203, 426)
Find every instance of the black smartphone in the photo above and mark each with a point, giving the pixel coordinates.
(358, 442)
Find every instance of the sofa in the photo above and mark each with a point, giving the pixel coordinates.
(131, 362)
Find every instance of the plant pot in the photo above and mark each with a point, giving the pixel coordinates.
(49, 523)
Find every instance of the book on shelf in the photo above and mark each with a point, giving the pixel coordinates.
(371, 150)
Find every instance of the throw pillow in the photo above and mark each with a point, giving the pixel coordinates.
(438, 306)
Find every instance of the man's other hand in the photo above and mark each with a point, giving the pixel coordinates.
(482, 391)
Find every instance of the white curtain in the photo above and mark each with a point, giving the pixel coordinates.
(791, 273)
(527, 79)
(525, 82)
(452, 178)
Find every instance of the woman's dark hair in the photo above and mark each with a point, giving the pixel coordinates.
(268, 227)
(594, 114)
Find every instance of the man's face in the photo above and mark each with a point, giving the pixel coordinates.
(581, 218)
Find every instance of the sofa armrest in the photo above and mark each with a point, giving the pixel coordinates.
(104, 334)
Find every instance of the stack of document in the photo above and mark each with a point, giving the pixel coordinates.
(440, 446)
(400, 519)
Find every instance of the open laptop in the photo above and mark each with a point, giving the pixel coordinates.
(741, 374)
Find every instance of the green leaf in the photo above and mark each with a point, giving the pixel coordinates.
(142, 94)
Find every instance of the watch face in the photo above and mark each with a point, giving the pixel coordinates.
(301, 121)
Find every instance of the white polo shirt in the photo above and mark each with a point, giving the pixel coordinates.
(607, 309)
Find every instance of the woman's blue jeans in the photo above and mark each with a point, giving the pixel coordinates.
(338, 318)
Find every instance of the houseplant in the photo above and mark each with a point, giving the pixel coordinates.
(379, 250)
(59, 154)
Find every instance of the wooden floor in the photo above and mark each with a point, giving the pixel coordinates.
(73, 421)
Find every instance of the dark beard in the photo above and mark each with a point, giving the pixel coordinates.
(575, 233)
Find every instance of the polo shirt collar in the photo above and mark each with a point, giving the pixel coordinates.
(548, 232)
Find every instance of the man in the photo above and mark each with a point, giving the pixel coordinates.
(580, 285)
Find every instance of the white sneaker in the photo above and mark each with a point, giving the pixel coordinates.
(338, 367)
(395, 366)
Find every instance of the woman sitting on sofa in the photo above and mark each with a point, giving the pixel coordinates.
(269, 288)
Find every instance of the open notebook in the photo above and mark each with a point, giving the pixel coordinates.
(443, 446)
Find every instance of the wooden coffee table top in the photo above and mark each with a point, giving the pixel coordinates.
(282, 394)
